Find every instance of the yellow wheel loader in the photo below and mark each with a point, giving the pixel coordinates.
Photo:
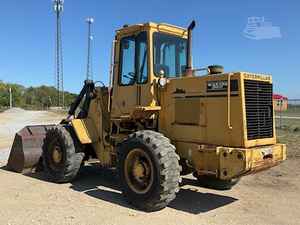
(159, 120)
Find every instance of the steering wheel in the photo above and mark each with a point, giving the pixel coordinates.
(130, 75)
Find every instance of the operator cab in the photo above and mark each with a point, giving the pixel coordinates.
(143, 54)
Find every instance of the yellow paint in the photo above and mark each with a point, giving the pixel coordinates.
(227, 163)
(203, 125)
(81, 131)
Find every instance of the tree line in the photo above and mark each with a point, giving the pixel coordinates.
(41, 97)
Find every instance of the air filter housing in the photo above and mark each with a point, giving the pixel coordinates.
(215, 69)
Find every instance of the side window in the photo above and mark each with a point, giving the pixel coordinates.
(182, 48)
(169, 54)
(127, 68)
(134, 64)
(169, 58)
(142, 55)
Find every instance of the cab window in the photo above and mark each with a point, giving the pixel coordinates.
(127, 70)
(142, 55)
(134, 63)
(169, 55)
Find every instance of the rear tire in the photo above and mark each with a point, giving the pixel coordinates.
(214, 183)
(149, 170)
(62, 154)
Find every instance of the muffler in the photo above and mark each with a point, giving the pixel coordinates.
(26, 150)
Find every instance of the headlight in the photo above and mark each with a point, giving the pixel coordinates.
(162, 82)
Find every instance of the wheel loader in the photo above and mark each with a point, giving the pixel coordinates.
(158, 120)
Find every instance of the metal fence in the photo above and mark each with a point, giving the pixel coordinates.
(289, 118)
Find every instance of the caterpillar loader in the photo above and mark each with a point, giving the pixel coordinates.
(159, 120)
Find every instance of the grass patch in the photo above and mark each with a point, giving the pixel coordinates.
(291, 125)
(288, 132)
(288, 113)
(292, 140)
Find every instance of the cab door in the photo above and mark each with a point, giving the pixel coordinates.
(131, 73)
(144, 82)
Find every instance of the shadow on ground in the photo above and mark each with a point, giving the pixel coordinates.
(102, 184)
(192, 200)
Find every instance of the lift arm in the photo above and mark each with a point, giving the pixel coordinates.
(87, 91)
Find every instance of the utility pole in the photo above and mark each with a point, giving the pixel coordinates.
(58, 6)
(89, 70)
(10, 98)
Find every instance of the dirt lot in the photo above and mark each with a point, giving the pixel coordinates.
(271, 197)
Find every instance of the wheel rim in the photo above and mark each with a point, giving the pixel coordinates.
(55, 155)
(139, 171)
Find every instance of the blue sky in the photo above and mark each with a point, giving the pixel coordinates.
(27, 37)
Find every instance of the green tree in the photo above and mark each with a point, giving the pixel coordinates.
(33, 97)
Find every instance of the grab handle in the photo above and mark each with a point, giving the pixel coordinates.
(229, 102)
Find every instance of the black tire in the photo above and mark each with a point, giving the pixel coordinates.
(165, 170)
(63, 140)
(214, 183)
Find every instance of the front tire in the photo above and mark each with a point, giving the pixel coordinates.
(149, 170)
(62, 154)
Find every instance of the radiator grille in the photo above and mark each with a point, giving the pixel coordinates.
(259, 109)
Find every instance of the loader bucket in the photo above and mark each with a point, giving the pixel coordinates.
(26, 150)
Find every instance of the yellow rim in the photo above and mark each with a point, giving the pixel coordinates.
(139, 171)
(57, 154)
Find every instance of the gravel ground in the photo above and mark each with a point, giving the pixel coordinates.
(267, 198)
(4, 153)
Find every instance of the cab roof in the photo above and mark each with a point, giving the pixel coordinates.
(160, 27)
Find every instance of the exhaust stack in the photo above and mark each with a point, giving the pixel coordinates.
(189, 69)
